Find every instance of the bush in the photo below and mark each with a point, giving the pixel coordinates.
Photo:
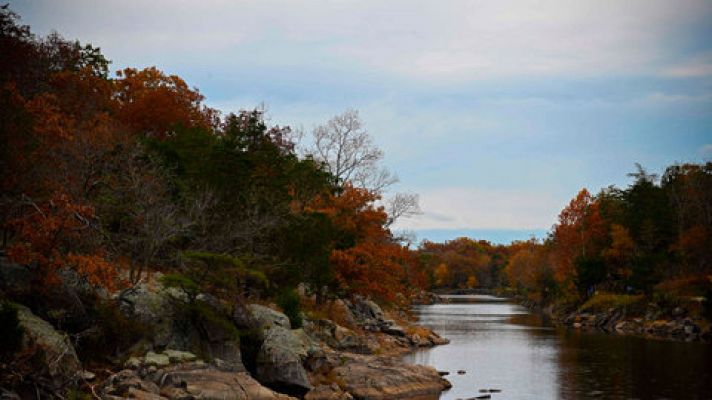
(113, 333)
(10, 330)
(290, 303)
(603, 301)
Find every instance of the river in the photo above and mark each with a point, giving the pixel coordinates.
(501, 345)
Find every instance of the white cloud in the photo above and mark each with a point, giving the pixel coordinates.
(445, 40)
(470, 208)
(696, 67)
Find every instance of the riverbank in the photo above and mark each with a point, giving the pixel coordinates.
(349, 350)
(630, 315)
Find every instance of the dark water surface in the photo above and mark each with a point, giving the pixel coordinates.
(501, 345)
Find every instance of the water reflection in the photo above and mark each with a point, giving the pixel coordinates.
(502, 346)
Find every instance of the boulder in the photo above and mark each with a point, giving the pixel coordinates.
(156, 360)
(279, 361)
(177, 356)
(159, 308)
(57, 353)
(375, 379)
(267, 318)
(186, 381)
(151, 307)
(366, 313)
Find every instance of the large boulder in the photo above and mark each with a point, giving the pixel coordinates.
(194, 380)
(160, 309)
(279, 361)
(58, 356)
(376, 379)
(150, 306)
(267, 318)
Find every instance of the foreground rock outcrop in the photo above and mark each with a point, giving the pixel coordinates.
(387, 378)
(57, 357)
(192, 380)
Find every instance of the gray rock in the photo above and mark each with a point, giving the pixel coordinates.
(133, 363)
(58, 354)
(336, 336)
(376, 379)
(157, 360)
(394, 330)
(267, 318)
(177, 356)
(279, 361)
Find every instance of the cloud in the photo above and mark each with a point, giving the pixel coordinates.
(699, 66)
(470, 208)
(447, 41)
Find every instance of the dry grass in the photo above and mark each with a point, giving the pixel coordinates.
(329, 310)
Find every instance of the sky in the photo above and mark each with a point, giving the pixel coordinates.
(495, 112)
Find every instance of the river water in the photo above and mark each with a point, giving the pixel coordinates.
(500, 345)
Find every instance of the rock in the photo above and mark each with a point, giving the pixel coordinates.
(341, 308)
(336, 336)
(133, 363)
(157, 360)
(128, 382)
(376, 379)
(367, 314)
(461, 372)
(279, 361)
(177, 356)
(328, 392)
(394, 330)
(444, 373)
(213, 384)
(57, 353)
(267, 318)
(186, 381)
(150, 307)
(87, 375)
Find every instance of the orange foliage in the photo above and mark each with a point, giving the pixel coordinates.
(153, 103)
(373, 269)
(48, 233)
(579, 231)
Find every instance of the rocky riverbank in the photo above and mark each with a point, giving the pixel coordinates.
(649, 320)
(258, 356)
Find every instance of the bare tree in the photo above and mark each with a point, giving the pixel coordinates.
(402, 205)
(348, 152)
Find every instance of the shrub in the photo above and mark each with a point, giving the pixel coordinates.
(290, 303)
(604, 301)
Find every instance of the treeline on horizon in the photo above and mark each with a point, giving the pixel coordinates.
(653, 237)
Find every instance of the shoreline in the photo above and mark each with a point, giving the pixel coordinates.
(656, 323)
